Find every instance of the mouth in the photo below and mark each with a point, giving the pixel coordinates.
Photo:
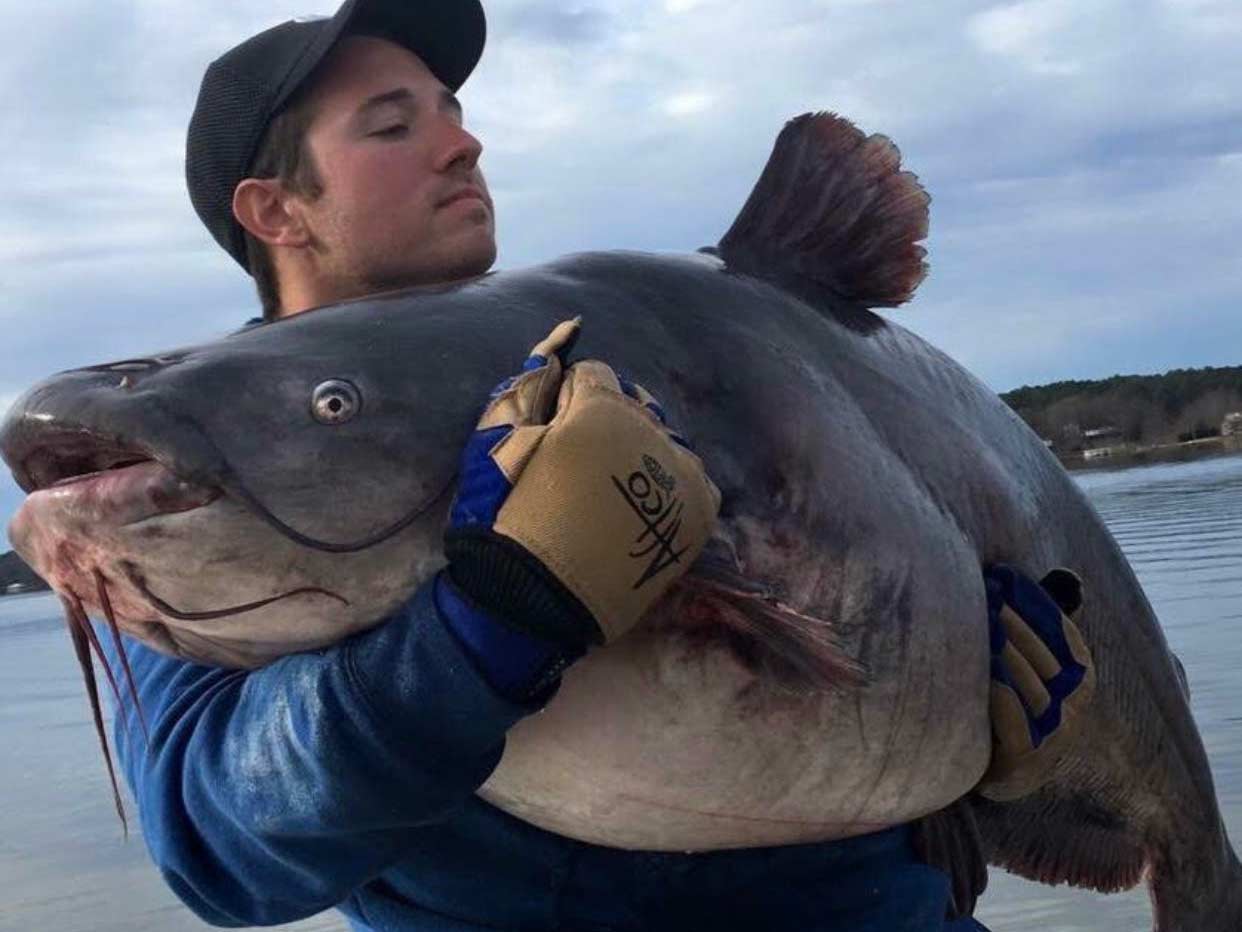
(469, 192)
(76, 458)
(84, 468)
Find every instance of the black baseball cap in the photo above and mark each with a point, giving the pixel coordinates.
(248, 85)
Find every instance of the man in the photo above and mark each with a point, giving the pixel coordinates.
(367, 179)
(330, 160)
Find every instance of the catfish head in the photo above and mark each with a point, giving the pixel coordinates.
(267, 493)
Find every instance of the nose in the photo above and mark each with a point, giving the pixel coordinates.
(460, 149)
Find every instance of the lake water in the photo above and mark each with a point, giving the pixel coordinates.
(64, 865)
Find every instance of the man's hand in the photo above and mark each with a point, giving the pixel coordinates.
(1043, 677)
(577, 506)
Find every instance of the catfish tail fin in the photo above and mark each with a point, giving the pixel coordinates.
(834, 210)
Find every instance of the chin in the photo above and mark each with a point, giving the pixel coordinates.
(476, 255)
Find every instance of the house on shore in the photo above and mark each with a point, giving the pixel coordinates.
(1101, 441)
(1231, 430)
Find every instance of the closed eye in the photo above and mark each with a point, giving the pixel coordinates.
(397, 129)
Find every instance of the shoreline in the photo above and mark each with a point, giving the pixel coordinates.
(1124, 458)
(6, 588)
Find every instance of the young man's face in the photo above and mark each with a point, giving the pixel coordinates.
(403, 201)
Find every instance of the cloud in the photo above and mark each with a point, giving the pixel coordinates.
(1032, 33)
(687, 103)
(552, 23)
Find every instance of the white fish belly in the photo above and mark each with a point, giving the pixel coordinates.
(658, 744)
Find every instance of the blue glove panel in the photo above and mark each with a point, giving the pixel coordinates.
(482, 487)
(1006, 586)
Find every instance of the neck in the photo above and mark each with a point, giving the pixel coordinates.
(302, 286)
(298, 296)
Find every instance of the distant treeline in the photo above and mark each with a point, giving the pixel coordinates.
(14, 570)
(1183, 404)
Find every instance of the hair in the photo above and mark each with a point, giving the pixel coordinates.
(283, 155)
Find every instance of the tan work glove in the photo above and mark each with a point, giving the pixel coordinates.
(577, 506)
(1043, 677)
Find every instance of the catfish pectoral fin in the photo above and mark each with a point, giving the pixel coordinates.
(783, 645)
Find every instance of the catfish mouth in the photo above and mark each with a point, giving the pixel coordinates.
(74, 459)
(121, 479)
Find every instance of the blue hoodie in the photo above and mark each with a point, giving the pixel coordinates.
(346, 777)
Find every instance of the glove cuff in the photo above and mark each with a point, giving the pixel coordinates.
(520, 667)
(503, 578)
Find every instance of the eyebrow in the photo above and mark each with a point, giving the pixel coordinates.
(448, 100)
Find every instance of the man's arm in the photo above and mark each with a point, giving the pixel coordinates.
(269, 795)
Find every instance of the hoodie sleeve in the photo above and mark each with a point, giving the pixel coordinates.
(269, 795)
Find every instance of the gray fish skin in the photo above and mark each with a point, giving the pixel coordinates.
(866, 477)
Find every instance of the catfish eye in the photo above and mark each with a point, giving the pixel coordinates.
(335, 401)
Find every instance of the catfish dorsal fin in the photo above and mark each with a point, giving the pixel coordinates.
(834, 209)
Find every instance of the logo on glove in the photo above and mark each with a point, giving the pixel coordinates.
(649, 492)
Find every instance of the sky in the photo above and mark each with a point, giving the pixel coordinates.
(1084, 162)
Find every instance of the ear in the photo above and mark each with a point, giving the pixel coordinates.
(265, 209)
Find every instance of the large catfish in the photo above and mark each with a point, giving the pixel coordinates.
(821, 673)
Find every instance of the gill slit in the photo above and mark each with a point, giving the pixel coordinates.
(362, 544)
